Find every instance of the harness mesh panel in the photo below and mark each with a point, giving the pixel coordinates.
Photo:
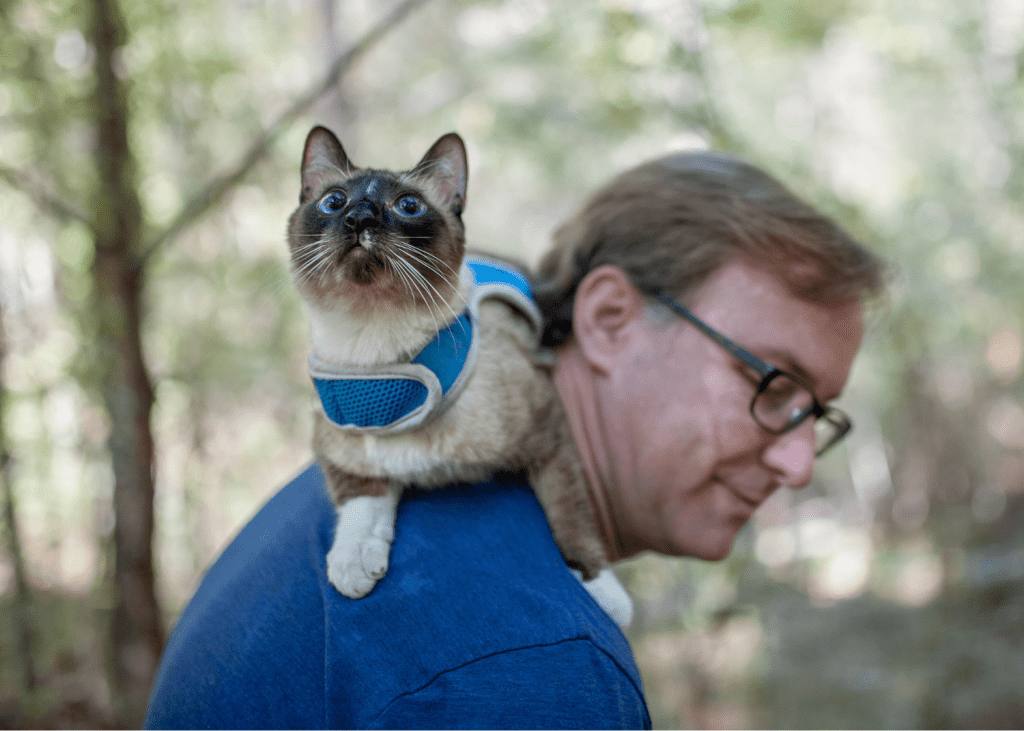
(370, 402)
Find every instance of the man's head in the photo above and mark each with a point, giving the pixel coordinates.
(661, 410)
(671, 222)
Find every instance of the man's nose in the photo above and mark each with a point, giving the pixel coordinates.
(791, 456)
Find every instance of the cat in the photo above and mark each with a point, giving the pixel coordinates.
(378, 258)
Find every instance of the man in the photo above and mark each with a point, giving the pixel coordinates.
(702, 317)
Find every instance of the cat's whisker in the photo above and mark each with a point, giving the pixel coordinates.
(432, 298)
(300, 259)
(421, 286)
(308, 246)
(318, 262)
(401, 276)
(303, 249)
(427, 254)
(300, 269)
(439, 296)
(312, 263)
(326, 264)
(413, 277)
(279, 277)
(415, 254)
(415, 289)
(320, 279)
(423, 254)
(420, 256)
(443, 299)
(307, 254)
(436, 299)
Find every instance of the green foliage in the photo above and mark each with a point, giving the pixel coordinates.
(792, 23)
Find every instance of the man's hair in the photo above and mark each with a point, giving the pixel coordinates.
(672, 222)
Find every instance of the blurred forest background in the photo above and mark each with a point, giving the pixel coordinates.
(153, 389)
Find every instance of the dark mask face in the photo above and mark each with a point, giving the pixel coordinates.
(376, 233)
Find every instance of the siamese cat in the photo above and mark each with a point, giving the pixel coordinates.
(378, 259)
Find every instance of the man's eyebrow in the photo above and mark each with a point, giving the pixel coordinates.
(786, 362)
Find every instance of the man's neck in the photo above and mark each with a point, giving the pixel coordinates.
(576, 388)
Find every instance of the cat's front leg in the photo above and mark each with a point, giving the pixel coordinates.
(362, 543)
(358, 559)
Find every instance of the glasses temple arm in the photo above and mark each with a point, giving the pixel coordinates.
(740, 352)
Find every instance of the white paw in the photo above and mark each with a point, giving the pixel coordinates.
(610, 595)
(362, 543)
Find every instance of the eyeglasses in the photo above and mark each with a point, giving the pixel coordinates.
(782, 402)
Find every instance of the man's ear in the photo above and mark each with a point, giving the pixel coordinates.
(606, 310)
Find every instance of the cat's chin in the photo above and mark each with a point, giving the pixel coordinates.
(359, 276)
(367, 291)
(363, 267)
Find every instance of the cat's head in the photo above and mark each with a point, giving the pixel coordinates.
(367, 238)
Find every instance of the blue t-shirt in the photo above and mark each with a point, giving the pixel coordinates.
(477, 624)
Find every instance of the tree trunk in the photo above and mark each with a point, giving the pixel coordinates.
(136, 632)
(22, 597)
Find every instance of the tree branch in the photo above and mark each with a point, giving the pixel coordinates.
(215, 190)
(43, 199)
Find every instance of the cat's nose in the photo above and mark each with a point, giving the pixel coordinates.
(361, 216)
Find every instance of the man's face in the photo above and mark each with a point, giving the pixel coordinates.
(688, 464)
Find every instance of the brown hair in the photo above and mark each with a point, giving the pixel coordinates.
(672, 222)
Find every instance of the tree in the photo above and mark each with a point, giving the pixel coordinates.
(22, 599)
(116, 222)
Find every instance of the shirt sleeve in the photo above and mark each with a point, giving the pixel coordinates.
(571, 684)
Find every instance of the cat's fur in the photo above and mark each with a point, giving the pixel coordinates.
(378, 285)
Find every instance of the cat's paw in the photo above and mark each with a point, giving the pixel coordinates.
(354, 568)
(362, 544)
(611, 595)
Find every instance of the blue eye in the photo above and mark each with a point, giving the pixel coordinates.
(331, 203)
(409, 206)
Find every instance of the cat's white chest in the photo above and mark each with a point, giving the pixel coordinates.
(337, 338)
(398, 456)
(386, 334)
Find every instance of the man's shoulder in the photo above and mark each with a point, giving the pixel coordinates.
(475, 581)
(249, 644)
(476, 589)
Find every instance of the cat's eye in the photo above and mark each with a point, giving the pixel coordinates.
(410, 205)
(331, 203)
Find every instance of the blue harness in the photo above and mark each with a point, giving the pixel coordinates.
(395, 397)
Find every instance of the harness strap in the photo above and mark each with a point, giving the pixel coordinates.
(396, 397)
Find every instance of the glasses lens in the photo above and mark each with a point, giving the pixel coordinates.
(829, 430)
(782, 403)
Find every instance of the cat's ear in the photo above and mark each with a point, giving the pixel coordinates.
(445, 163)
(324, 159)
